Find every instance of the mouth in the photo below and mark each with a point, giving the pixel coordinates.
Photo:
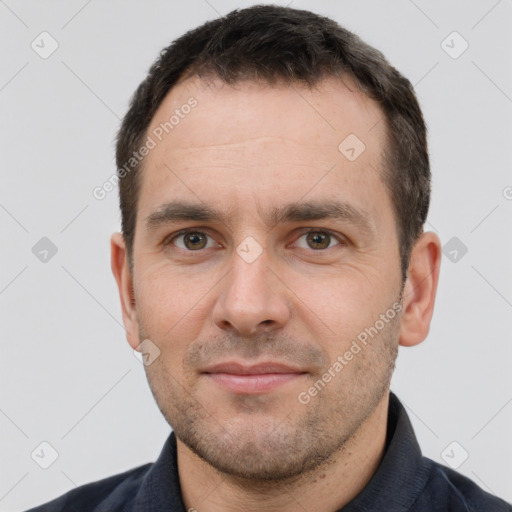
(252, 379)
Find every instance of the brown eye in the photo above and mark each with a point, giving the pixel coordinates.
(194, 240)
(191, 241)
(318, 240)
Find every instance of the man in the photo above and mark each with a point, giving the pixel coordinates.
(274, 182)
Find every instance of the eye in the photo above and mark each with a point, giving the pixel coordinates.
(191, 240)
(319, 240)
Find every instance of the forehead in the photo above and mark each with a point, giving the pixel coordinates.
(215, 140)
(229, 114)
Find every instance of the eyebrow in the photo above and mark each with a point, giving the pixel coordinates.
(176, 211)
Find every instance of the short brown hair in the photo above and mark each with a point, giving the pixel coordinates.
(272, 43)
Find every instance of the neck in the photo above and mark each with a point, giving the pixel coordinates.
(327, 488)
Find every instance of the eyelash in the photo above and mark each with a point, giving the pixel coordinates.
(169, 240)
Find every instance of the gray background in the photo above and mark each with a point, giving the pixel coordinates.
(68, 376)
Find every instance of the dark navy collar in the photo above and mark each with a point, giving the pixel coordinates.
(403, 472)
(399, 479)
(160, 490)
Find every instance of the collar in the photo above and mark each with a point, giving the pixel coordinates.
(403, 471)
(399, 479)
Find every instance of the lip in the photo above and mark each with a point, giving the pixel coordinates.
(235, 368)
(252, 379)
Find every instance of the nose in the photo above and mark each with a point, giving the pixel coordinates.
(252, 299)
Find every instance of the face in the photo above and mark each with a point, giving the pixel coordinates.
(263, 253)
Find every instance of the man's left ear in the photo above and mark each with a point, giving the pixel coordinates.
(420, 289)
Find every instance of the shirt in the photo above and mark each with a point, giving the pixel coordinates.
(405, 481)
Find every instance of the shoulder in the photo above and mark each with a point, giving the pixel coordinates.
(447, 489)
(113, 493)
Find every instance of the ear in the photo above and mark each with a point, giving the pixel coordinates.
(420, 289)
(121, 270)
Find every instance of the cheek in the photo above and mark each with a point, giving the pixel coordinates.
(171, 307)
(341, 305)
(342, 293)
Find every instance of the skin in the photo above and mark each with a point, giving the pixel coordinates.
(245, 150)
